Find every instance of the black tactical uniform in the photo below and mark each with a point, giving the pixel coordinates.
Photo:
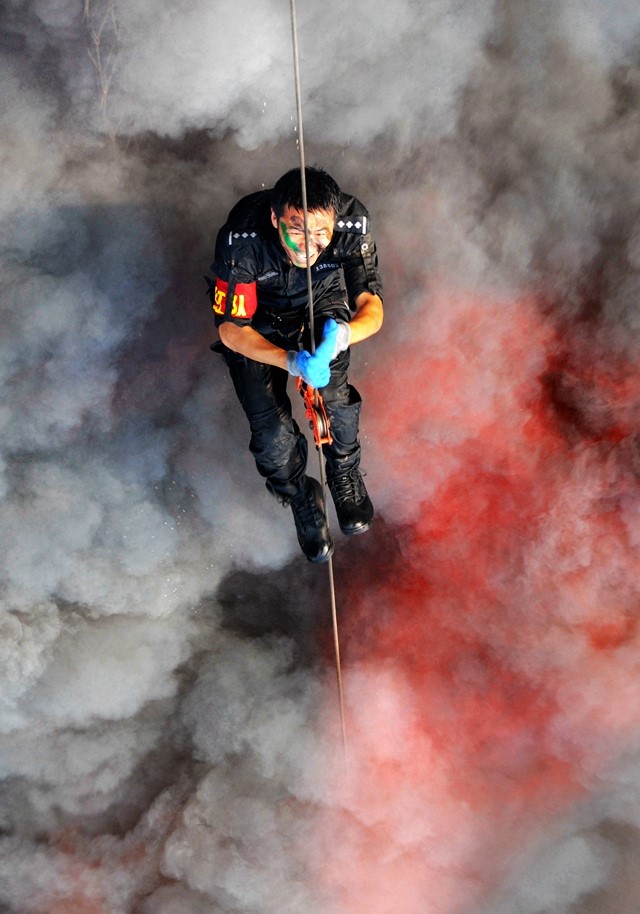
(258, 286)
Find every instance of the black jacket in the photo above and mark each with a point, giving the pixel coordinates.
(248, 252)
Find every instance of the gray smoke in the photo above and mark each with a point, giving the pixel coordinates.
(165, 743)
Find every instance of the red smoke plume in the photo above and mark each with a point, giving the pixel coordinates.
(489, 633)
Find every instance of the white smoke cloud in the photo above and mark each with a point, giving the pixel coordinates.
(557, 877)
(156, 752)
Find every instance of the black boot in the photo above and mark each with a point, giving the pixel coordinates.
(313, 531)
(353, 505)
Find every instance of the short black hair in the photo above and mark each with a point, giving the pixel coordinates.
(322, 191)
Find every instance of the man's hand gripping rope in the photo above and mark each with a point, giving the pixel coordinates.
(312, 371)
(314, 368)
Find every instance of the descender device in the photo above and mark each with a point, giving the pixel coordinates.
(316, 414)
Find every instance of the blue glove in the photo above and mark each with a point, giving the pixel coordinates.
(313, 369)
(335, 338)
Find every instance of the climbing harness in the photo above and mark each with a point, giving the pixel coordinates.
(315, 411)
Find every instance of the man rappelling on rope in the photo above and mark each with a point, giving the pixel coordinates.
(260, 299)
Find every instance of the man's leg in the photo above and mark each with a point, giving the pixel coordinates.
(343, 404)
(280, 449)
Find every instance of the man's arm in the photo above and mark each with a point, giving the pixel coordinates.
(368, 317)
(313, 369)
(251, 344)
(248, 342)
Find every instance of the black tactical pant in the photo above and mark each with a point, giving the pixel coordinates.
(277, 444)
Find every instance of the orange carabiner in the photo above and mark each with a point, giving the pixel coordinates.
(316, 413)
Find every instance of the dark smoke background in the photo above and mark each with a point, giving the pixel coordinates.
(167, 719)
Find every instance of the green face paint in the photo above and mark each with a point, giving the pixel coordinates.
(290, 243)
(292, 238)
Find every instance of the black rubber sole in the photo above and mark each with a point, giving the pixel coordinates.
(320, 560)
(355, 531)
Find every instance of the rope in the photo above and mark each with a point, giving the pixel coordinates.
(332, 589)
(305, 210)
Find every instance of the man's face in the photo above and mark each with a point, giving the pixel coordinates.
(290, 228)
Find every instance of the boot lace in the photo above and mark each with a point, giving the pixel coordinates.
(347, 488)
(305, 509)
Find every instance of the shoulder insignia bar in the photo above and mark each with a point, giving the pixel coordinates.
(358, 225)
(233, 236)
